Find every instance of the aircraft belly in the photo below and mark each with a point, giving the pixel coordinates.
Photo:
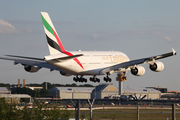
(89, 64)
(67, 67)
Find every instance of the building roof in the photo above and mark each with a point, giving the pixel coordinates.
(102, 86)
(4, 89)
(75, 89)
(140, 90)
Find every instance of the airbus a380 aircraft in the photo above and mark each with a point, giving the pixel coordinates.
(81, 63)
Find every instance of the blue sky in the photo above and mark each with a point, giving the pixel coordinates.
(140, 28)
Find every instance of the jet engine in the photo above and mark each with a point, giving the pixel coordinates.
(30, 68)
(64, 73)
(138, 71)
(157, 66)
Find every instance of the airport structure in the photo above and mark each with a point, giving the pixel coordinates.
(5, 90)
(110, 91)
(104, 90)
(15, 98)
(71, 92)
(12, 98)
(140, 92)
(101, 91)
(150, 92)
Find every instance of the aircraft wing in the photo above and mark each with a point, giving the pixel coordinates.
(41, 63)
(137, 62)
(30, 61)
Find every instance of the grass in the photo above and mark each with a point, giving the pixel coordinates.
(131, 114)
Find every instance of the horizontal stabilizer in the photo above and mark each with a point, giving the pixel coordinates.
(61, 59)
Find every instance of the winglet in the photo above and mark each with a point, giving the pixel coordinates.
(174, 52)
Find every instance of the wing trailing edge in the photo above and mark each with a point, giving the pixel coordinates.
(137, 62)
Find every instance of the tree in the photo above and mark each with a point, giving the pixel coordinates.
(74, 85)
(24, 90)
(5, 85)
(37, 112)
(86, 85)
(43, 92)
(49, 85)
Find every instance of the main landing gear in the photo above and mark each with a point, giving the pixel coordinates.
(107, 78)
(79, 79)
(94, 79)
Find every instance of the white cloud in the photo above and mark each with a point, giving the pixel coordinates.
(168, 38)
(95, 36)
(150, 21)
(100, 35)
(7, 28)
(27, 30)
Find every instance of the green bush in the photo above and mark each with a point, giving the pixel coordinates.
(37, 111)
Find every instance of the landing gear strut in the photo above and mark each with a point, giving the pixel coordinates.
(79, 79)
(94, 79)
(107, 78)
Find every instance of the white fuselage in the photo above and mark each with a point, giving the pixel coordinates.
(92, 61)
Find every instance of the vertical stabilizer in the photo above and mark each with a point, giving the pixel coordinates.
(54, 42)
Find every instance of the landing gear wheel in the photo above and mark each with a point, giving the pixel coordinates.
(91, 79)
(107, 79)
(94, 79)
(75, 79)
(81, 79)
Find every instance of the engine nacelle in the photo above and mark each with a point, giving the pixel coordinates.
(138, 71)
(64, 74)
(30, 68)
(157, 66)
